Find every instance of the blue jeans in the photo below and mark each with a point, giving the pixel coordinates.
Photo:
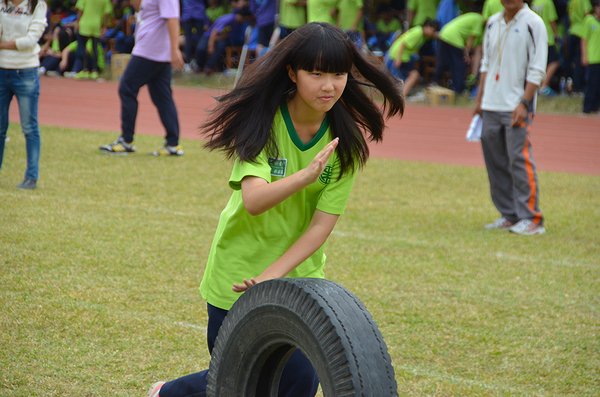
(298, 379)
(25, 85)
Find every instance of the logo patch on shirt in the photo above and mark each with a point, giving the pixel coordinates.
(278, 167)
(325, 177)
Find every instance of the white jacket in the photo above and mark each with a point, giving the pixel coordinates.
(513, 54)
(25, 29)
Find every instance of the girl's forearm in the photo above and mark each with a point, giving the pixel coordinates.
(8, 45)
(260, 196)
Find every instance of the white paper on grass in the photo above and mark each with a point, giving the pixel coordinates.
(474, 132)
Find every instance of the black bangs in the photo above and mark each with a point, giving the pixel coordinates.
(321, 47)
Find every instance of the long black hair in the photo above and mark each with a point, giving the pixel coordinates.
(241, 122)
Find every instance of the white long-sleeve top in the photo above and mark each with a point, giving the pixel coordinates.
(25, 29)
(513, 53)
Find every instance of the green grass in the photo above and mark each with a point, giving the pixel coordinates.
(99, 270)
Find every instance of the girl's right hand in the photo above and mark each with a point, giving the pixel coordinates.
(318, 164)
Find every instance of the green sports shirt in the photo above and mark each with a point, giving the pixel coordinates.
(547, 11)
(414, 39)
(457, 31)
(577, 10)
(290, 15)
(491, 7)
(320, 10)
(92, 16)
(591, 33)
(347, 11)
(424, 9)
(245, 245)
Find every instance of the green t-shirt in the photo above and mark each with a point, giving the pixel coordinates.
(591, 33)
(245, 245)
(290, 15)
(414, 39)
(547, 11)
(424, 9)
(577, 10)
(491, 7)
(347, 10)
(457, 31)
(92, 16)
(320, 10)
(214, 13)
(88, 48)
(383, 27)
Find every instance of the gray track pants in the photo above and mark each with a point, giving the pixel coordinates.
(510, 167)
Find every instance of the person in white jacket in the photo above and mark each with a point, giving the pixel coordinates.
(515, 51)
(22, 23)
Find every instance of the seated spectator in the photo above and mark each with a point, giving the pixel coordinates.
(402, 55)
(454, 46)
(223, 32)
(70, 64)
(51, 53)
(215, 10)
(385, 28)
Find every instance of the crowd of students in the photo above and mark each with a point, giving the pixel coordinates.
(401, 33)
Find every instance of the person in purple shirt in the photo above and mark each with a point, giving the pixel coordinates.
(222, 33)
(155, 53)
(194, 23)
(264, 11)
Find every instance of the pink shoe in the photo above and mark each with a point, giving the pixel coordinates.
(155, 389)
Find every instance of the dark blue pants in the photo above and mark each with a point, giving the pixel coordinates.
(591, 102)
(297, 380)
(90, 61)
(191, 37)
(157, 75)
(450, 58)
(576, 71)
(216, 58)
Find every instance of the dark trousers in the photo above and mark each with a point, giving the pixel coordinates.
(90, 61)
(191, 37)
(297, 380)
(157, 75)
(575, 70)
(216, 58)
(591, 102)
(450, 58)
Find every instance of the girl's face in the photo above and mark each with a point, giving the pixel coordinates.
(318, 90)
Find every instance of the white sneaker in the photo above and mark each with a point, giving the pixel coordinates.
(527, 227)
(41, 70)
(155, 389)
(500, 223)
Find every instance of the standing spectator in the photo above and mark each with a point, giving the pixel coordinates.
(420, 11)
(156, 51)
(513, 66)
(22, 23)
(292, 15)
(491, 7)
(590, 57)
(321, 11)
(577, 10)
(92, 17)
(350, 19)
(402, 55)
(447, 10)
(547, 11)
(455, 42)
(264, 11)
(194, 22)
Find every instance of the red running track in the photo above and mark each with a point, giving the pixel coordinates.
(431, 134)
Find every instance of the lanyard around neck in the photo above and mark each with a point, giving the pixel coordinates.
(502, 43)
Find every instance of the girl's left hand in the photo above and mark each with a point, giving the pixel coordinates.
(244, 287)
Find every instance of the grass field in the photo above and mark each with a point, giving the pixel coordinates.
(99, 270)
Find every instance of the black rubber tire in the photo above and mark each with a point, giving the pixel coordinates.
(328, 323)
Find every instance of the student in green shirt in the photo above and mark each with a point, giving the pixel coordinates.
(297, 126)
(577, 10)
(400, 58)
(420, 11)
(349, 18)
(491, 7)
(547, 11)
(590, 57)
(321, 11)
(456, 39)
(386, 27)
(92, 17)
(292, 15)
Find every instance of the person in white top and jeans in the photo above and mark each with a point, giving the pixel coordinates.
(22, 23)
(514, 61)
